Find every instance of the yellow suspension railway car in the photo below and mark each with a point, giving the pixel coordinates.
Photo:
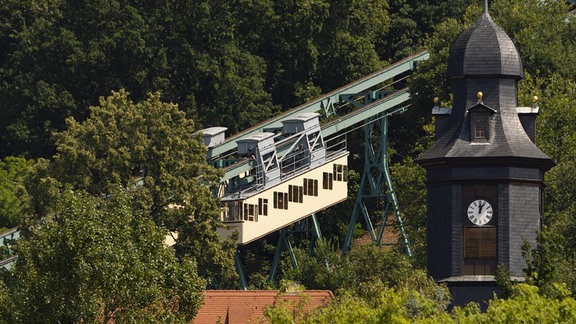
(291, 175)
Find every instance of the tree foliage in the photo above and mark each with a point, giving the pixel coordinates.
(12, 172)
(362, 272)
(148, 146)
(99, 259)
(234, 63)
(553, 259)
(404, 305)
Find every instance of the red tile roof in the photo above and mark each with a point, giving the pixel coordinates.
(247, 306)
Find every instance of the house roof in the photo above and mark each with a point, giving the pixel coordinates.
(247, 306)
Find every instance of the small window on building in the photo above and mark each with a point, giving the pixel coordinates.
(263, 206)
(340, 172)
(327, 181)
(280, 200)
(480, 126)
(310, 187)
(295, 193)
(250, 212)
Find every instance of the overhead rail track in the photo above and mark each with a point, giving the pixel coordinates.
(325, 103)
(388, 104)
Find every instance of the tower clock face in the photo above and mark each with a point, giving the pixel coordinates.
(480, 212)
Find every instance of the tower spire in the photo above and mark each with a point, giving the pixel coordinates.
(485, 7)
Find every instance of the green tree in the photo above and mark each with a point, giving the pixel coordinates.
(99, 259)
(61, 56)
(149, 146)
(543, 32)
(526, 305)
(411, 190)
(12, 172)
(209, 71)
(553, 260)
(363, 272)
(412, 22)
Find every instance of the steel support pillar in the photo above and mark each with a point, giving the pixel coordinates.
(240, 270)
(283, 242)
(376, 183)
(316, 233)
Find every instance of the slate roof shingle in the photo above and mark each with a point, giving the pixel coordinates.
(484, 59)
(469, 55)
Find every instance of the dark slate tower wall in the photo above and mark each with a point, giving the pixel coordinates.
(528, 121)
(519, 203)
(443, 201)
(499, 94)
(523, 223)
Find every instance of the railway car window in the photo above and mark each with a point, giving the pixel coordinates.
(295, 193)
(310, 187)
(327, 181)
(263, 206)
(340, 172)
(250, 212)
(280, 200)
(232, 211)
(275, 200)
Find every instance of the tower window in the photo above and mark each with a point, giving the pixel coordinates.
(480, 250)
(480, 126)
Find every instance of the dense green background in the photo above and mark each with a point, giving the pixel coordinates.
(98, 99)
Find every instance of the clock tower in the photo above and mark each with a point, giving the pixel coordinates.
(484, 173)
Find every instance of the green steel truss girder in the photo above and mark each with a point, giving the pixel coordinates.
(325, 103)
(376, 182)
(388, 104)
